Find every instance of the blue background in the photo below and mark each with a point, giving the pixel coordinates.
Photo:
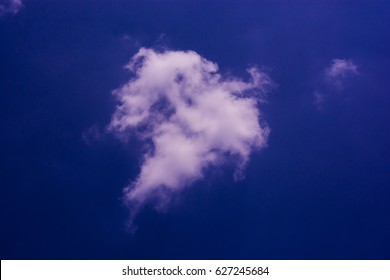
(321, 190)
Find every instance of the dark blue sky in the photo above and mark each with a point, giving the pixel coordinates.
(320, 190)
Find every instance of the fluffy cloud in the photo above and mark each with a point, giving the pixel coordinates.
(10, 6)
(339, 71)
(190, 117)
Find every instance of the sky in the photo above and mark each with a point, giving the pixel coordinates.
(194, 129)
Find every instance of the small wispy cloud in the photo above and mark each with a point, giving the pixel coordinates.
(339, 71)
(334, 78)
(319, 99)
(191, 117)
(92, 135)
(10, 6)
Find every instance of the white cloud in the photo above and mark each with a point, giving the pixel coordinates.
(339, 71)
(10, 6)
(192, 117)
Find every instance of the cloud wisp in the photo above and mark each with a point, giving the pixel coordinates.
(190, 117)
(339, 71)
(10, 6)
(334, 79)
